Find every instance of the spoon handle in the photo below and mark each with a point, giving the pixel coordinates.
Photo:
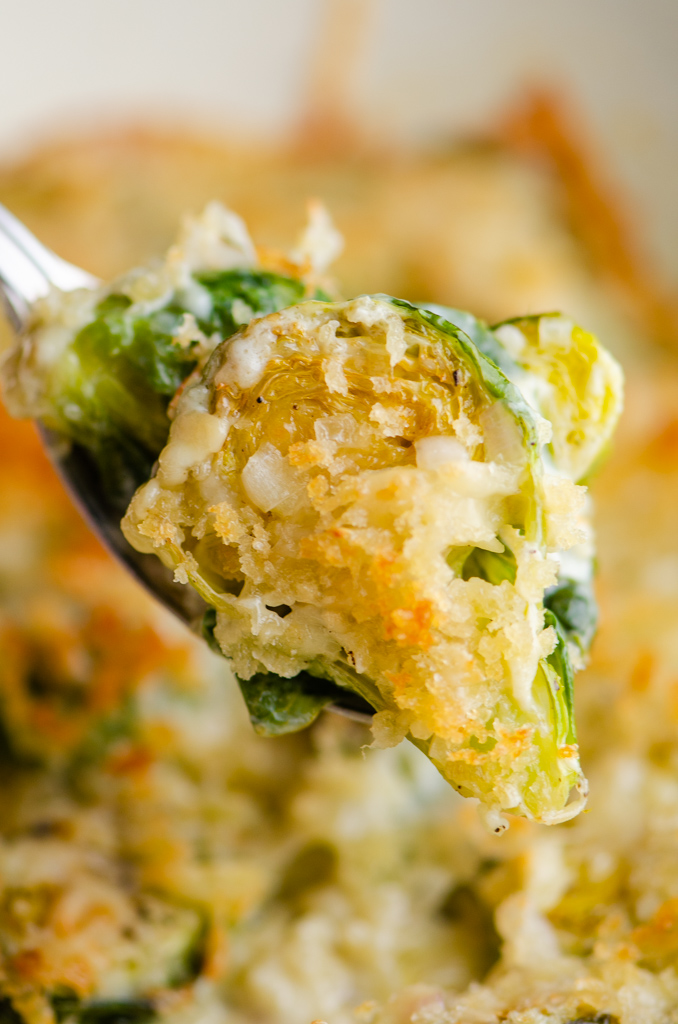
(28, 269)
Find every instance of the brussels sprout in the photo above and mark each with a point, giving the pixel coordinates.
(101, 367)
(164, 950)
(376, 497)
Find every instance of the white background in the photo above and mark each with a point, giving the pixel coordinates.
(424, 67)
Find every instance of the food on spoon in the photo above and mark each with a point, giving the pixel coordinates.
(101, 366)
(372, 498)
(365, 498)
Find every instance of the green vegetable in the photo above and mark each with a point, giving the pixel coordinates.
(255, 292)
(69, 1008)
(596, 1018)
(579, 386)
(8, 1015)
(312, 867)
(298, 425)
(492, 566)
(110, 390)
(479, 333)
(277, 705)
(574, 606)
(572, 603)
(559, 661)
(464, 907)
(368, 495)
(185, 926)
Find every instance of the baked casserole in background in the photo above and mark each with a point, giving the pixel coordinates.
(158, 860)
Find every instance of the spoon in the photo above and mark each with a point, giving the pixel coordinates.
(28, 270)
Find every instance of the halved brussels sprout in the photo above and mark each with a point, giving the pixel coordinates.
(101, 367)
(374, 498)
(382, 498)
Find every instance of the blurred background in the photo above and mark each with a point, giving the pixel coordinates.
(406, 72)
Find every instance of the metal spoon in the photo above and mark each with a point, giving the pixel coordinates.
(27, 272)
